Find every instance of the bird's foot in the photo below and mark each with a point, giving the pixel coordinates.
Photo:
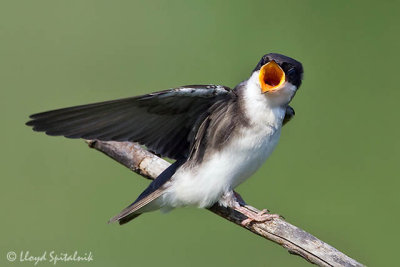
(235, 201)
(259, 217)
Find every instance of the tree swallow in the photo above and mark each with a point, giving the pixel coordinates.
(218, 136)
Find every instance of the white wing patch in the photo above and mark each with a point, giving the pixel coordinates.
(194, 91)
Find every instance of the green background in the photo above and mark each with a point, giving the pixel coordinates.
(335, 172)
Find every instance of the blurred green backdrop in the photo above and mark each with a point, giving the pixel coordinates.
(334, 173)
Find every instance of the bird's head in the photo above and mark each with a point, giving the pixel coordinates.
(278, 77)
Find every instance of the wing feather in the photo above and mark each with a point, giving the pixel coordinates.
(162, 121)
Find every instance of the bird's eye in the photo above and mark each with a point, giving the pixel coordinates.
(291, 72)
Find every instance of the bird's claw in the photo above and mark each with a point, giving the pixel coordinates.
(260, 217)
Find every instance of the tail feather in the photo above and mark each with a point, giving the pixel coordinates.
(128, 213)
(151, 193)
(128, 218)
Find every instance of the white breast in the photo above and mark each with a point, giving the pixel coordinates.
(223, 171)
(227, 168)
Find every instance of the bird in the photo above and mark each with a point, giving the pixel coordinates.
(217, 136)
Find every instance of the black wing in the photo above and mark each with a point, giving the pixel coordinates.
(163, 121)
(288, 115)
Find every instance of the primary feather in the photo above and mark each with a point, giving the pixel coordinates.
(163, 121)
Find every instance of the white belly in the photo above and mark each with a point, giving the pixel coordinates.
(223, 171)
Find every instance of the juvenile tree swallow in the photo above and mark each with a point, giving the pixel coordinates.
(218, 136)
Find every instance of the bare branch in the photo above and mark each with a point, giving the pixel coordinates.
(294, 239)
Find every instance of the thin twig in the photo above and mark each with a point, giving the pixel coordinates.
(294, 239)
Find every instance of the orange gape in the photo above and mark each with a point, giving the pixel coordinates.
(271, 77)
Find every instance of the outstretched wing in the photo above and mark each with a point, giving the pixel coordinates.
(163, 121)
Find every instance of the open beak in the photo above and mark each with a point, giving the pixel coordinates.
(271, 76)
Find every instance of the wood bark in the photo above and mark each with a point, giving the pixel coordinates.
(294, 239)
